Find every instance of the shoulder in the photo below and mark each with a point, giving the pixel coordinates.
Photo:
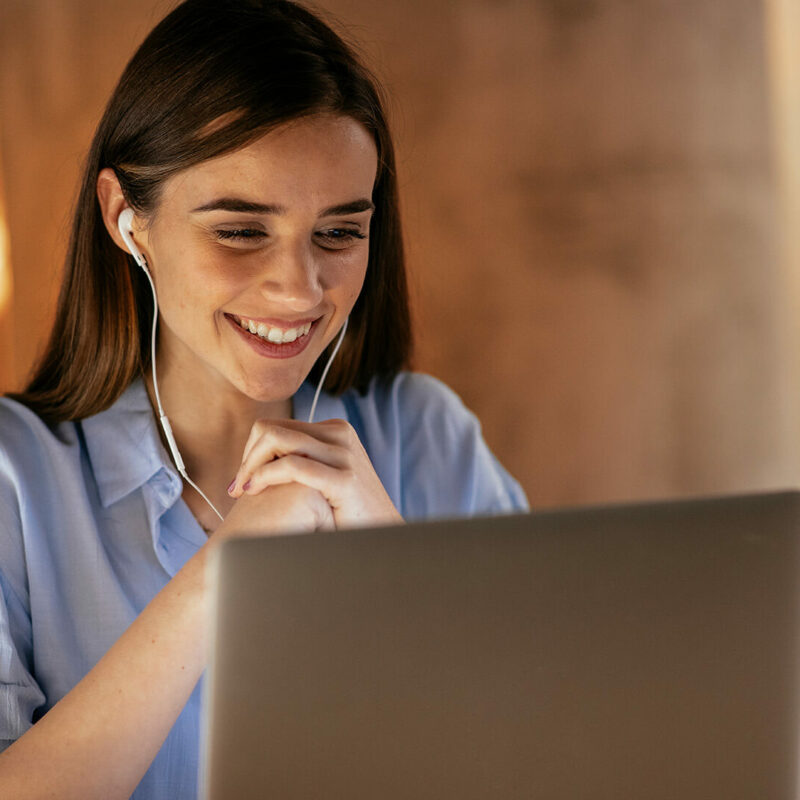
(429, 450)
(26, 439)
(32, 458)
(408, 395)
(396, 414)
(426, 394)
(38, 465)
(28, 446)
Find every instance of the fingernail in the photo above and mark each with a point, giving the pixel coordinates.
(231, 487)
(246, 486)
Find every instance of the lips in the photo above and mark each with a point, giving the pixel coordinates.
(262, 340)
(273, 333)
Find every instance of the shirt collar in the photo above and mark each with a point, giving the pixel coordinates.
(124, 447)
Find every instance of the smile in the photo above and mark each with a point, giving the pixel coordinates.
(272, 334)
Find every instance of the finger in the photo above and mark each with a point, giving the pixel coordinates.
(263, 425)
(336, 432)
(327, 480)
(255, 433)
(332, 431)
(277, 442)
(329, 432)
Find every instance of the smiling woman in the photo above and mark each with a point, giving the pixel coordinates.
(242, 177)
(277, 233)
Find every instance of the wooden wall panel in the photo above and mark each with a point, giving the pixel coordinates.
(592, 216)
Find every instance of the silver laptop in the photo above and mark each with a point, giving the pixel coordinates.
(624, 652)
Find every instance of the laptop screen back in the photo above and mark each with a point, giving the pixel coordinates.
(622, 652)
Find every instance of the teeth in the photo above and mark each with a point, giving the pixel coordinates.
(274, 335)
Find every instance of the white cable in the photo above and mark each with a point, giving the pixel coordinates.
(325, 371)
(166, 427)
(124, 222)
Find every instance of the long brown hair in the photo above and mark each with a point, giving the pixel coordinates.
(213, 76)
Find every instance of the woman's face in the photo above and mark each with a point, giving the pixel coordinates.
(259, 255)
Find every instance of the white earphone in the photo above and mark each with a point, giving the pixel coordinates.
(125, 226)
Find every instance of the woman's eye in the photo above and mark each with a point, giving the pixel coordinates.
(338, 238)
(240, 234)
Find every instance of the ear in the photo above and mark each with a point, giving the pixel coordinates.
(112, 204)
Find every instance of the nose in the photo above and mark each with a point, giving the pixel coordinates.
(292, 278)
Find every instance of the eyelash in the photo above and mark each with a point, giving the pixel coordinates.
(240, 233)
(245, 234)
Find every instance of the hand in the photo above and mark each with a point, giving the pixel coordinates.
(287, 508)
(325, 456)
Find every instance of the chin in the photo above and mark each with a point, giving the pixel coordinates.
(270, 390)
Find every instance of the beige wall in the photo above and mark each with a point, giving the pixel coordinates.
(594, 220)
(783, 35)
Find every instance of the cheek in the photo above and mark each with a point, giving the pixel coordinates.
(345, 276)
(194, 282)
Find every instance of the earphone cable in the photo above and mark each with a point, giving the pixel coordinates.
(167, 428)
(327, 368)
(165, 424)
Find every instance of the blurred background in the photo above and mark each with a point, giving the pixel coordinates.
(602, 210)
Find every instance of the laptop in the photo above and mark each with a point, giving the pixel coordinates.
(644, 651)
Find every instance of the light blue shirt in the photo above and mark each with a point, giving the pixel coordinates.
(92, 526)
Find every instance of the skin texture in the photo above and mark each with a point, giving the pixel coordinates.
(230, 409)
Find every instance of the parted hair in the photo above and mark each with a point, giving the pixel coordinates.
(213, 76)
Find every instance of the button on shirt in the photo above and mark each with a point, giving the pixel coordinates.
(92, 526)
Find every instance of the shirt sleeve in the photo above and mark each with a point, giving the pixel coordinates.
(20, 695)
(447, 468)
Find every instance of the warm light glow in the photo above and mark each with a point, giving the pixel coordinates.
(5, 255)
(5, 264)
(782, 31)
(783, 27)
(7, 360)
(6, 287)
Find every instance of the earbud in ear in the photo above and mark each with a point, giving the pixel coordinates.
(125, 225)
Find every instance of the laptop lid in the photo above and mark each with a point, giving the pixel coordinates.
(624, 652)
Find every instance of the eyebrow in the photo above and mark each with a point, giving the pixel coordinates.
(241, 206)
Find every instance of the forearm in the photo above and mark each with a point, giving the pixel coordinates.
(99, 740)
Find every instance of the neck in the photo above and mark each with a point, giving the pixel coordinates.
(211, 421)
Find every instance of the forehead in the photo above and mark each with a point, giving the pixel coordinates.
(322, 160)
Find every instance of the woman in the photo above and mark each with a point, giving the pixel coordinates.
(244, 165)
